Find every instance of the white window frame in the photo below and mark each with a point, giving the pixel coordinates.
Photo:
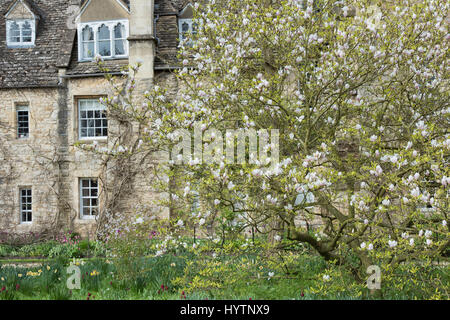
(20, 23)
(101, 108)
(95, 28)
(82, 207)
(22, 108)
(21, 203)
(190, 22)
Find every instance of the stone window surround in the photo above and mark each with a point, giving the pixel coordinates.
(21, 211)
(20, 44)
(81, 216)
(93, 106)
(95, 27)
(76, 122)
(21, 107)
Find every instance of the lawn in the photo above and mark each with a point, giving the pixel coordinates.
(185, 276)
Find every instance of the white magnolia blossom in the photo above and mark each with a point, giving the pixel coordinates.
(139, 220)
(392, 243)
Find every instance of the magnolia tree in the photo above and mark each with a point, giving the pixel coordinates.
(359, 95)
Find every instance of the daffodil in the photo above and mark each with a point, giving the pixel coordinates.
(95, 273)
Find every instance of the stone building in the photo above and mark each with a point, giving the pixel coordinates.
(50, 87)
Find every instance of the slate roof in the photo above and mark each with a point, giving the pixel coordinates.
(56, 45)
(127, 2)
(37, 66)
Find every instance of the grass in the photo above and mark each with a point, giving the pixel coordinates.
(155, 278)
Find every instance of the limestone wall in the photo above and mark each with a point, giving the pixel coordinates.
(30, 162)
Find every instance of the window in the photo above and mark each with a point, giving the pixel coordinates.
(104, 41)
(87, 42)
(23, 122)
(119, 39)
(304, 197)
(186, 27)
(20, 33)
(88, 198)
(107, 39)
(93, 122)
(25, 205)
(195, 206)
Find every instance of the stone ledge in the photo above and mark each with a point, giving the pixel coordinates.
(143, 37)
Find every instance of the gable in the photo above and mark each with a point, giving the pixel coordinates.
(187, 12)
(19, 10)
(103, 10)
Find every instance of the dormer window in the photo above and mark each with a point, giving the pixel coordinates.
(20, 33)
(21, 24)
(106, 39)
(186, 25)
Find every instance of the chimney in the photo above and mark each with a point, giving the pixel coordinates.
(142, 39)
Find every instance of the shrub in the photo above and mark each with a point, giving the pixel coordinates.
(5, 250)
(65, 251)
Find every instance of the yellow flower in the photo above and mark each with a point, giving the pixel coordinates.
(56, 270)
(3, 279)
(95, 273)
(48, 268)
(33, 274)
(40, 271)
(173, 264)
(19, 275)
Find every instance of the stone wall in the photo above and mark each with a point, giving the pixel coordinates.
(31, 162)
(51, 161)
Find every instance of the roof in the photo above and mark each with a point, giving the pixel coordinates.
(125, 2)
(166, 51)
(28, 3)
(56, 44)
(37, 66)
